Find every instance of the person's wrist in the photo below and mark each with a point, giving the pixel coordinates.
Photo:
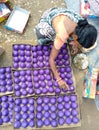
(59, 79)
(57, 75)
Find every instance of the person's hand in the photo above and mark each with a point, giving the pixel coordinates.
(63, 84)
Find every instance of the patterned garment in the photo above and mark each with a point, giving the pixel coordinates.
(44, 30)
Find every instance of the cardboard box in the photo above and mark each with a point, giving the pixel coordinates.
(4, 12)
(90, 83)
(86, 10)
(21, 16)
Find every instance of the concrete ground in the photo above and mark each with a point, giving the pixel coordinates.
(89, 113)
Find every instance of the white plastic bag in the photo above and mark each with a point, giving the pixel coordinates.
(94, 5)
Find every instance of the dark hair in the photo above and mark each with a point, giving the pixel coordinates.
(86, 33)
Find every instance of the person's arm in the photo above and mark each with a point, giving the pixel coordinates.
(53, 55)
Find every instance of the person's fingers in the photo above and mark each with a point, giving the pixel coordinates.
(63, 85)
(66, 86)
(72, 52)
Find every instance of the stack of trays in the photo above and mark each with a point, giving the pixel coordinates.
(38, 100)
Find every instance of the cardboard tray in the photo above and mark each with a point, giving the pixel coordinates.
(64, 125)
(20, 84)
(17, 20)
(28, 111)
(72, 86)
(78, 116)
(45, 81)
(7, 92)
(11, 117)
(20, 68)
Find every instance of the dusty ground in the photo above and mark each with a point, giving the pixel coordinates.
(89, 113)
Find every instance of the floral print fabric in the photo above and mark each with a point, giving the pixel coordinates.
(44, 30)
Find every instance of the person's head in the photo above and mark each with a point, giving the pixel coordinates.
(86, 35)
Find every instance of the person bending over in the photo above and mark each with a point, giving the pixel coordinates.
(62, 26)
